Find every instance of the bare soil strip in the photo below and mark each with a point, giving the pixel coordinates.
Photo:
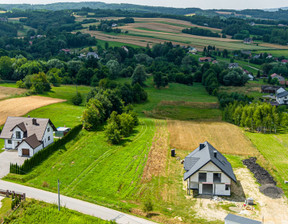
(225, 137)
(157, 157)
(21, 106)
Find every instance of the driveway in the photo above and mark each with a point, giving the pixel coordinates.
(7, 157)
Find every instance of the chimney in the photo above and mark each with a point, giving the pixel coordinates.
(201, 146)
(34, 122)
(215, 153)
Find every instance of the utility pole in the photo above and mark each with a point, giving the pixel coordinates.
(58, 195)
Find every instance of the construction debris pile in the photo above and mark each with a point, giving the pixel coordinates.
(264, 178)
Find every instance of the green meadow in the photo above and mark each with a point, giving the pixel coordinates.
(35, 212)
(274, 149)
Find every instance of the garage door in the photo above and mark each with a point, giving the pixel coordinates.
(25, 152)
(207, 189)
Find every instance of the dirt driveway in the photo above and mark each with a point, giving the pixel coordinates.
(7, 157)
(272, 211)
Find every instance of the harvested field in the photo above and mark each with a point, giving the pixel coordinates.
(200, 105)
(22, 105)
(225, 137)
(8, 91)
(157, 157)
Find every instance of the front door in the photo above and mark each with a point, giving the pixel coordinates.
(207, 189)
(25, 152)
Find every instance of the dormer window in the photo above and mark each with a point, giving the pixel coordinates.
(18, 134)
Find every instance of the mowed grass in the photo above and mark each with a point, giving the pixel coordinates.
(91, 169)
(67, 92)
(177, 95)
(32, 211)
(60, 114)
(274, 148)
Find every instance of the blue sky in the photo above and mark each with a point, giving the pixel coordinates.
(205, 4)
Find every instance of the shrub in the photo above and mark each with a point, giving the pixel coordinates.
(77, 99)
(148, 206)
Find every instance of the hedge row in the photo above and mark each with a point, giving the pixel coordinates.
(43, 154)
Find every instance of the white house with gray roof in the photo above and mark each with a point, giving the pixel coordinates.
(282, 96)
(27, 135)
(235, 219)
(208, 171)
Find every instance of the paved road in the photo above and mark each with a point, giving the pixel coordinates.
(7, 157)
(75, 204)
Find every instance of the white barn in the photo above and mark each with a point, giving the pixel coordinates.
(208, 171)
(27, 135)
(282, 96)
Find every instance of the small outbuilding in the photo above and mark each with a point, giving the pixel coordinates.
(235, 219)
(62, 131)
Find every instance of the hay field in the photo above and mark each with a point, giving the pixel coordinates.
(9, 91)
(23, 105)
(159, 30)
(225, 137)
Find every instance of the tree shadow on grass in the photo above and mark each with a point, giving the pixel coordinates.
(151, 214)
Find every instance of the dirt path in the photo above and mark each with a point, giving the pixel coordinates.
(274, 211)
(21, 106)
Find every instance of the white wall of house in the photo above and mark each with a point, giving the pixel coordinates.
(48, 136)
(218, 188)
(231, 222)
(282, 100)
(24, 145)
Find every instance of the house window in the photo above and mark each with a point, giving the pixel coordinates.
(217, 177)
(202, 177)
(48, 129)
(48, 138)
(227, 187)
(9, 141)
(18, 134)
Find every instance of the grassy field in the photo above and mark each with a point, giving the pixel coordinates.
(156, 30)
(33, 211)
(93, 170)
(67, 92)
(252, 88)
(274, 148)
(175, 102)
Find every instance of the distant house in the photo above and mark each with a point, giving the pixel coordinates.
(235, 219)
(66, 51)
(280, 78)
(114, 25)
(205, 59)
(192, 50)
(233, 65)
(125, 49)
(248, 41)
(282, 98)
(92, 54)
(27, 135)
(269, 89)
(215, 62)
(251, 77)
(269, 56)
(208, 171)
(284, 61)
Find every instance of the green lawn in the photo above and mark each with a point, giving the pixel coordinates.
(36, 212)
(91, 169)
(60, 114)
(274, 148)
(67, 92)
(179, 94)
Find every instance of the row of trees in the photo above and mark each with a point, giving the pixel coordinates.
(261, 117)
(200, 32)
